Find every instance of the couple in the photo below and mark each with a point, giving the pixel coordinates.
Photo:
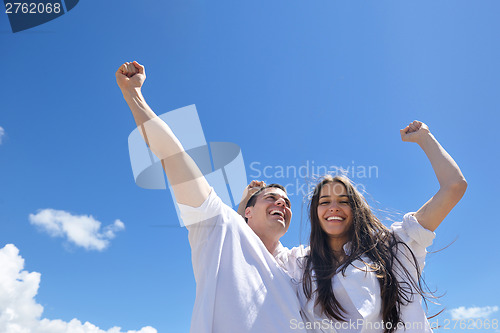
(356, 273)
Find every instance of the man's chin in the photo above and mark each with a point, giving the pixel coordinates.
(282, 224)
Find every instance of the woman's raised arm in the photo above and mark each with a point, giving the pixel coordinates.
(452, 182)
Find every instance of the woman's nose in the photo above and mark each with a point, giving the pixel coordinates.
(334, 207)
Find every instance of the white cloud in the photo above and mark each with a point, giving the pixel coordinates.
(472, 313)
(2, 133)
(20, 313)
(81, 230)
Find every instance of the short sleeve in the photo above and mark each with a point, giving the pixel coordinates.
(209, 226)
(209, 210)
(413, 234)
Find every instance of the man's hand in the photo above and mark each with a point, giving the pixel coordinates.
(253, 187)
(415, 132)
(130, 76)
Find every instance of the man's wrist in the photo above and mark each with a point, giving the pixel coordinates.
(130, 93)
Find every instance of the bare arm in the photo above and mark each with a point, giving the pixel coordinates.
(188, 183)
(452, 182)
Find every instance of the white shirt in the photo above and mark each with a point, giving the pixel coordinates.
(359, 290)
(239, 285)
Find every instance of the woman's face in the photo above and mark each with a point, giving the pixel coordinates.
(334, 211)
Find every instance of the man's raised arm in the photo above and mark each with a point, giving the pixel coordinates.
(188, 183)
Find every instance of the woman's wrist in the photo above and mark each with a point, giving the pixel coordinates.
(426, 140)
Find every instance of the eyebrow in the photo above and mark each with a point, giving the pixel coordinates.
(275, 195)
(327, 196)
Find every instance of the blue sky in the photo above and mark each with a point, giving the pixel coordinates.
(292, 83)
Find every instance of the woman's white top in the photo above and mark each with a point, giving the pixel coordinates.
(358, 291)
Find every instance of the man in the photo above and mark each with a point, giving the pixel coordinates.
(239, 286)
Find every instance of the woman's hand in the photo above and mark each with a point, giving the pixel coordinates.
(416, 132)
(452, 182)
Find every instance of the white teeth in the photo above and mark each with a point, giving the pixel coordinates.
(335, 218)
(277, 211)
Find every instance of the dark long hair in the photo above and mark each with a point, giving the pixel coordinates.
(369, 238)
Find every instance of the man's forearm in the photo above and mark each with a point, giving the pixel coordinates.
(157, 134)
(187, 181)
(140, 109)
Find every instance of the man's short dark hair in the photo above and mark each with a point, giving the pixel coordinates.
(253, 198)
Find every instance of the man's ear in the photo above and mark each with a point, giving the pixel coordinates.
(248, 212)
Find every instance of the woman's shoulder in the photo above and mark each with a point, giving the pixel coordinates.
(297, 251)
(409, 230)
(413, 234)
(290, 259)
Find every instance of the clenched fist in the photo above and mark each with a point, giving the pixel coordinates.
(130, 76)
(416, 131)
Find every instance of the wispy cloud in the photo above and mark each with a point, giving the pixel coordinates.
(19, 310)
(2, 133)
(473, 312)
(81, 230)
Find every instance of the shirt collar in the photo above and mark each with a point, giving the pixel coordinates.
(347, 248)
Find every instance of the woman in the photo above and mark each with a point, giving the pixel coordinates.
(358, 275)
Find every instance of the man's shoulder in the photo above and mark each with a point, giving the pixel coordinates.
(212, 211)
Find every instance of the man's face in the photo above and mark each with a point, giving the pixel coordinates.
(271, 213)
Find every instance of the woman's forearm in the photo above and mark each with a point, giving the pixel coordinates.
(452, 182)
(446, 169)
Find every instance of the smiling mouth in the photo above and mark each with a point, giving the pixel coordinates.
(335, 218)
(276, 212)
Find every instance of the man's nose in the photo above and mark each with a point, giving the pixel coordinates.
(280, 202)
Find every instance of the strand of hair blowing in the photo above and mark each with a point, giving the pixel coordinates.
(369, 238)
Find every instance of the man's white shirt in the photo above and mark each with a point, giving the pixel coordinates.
(239, 285)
